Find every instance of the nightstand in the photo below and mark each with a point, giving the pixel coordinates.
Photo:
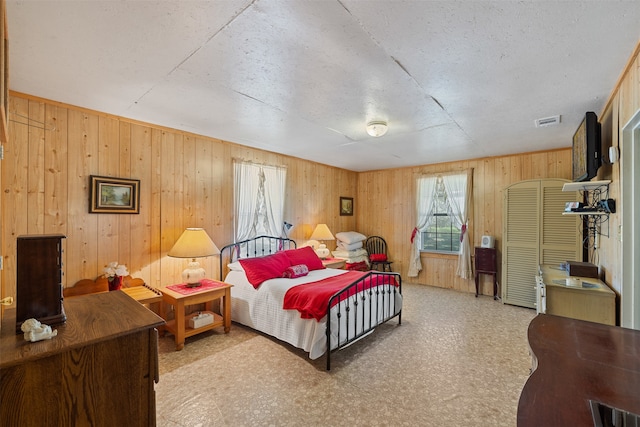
(179, 296)
(486, 263)
(337, 263)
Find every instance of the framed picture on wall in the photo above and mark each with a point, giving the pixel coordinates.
(114, 195)
(346, 206)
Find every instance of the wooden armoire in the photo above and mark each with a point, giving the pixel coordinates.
(39, 279)
(535, 232)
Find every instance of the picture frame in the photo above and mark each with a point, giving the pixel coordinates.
(114, 195)
(346, 206)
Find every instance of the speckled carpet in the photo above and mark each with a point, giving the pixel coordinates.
(456, 360)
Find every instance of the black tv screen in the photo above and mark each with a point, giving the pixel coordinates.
(586, 148)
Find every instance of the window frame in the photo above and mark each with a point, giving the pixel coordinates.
(441, 193)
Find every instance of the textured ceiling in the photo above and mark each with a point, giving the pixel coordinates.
(454, 79)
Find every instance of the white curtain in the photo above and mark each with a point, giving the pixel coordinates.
(426, 188)
(258, 200)
(458, 189)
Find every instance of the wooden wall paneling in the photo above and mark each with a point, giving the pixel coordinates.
(294, 205)
(124, 221)
(178, 184)
(108, 155)
(155, 206)
(15, 207)
(539, 165)
(503, 178)
(489, 179)
(188, 179)
(484, 187)
(56, 167)
(82, 237)
(204, 213)
(140, 234)
(223, 159)
(516, 170)
(181, 201)
(610, 247)
(630, 92)
(393, 186)
(35, 159)
(171, 226)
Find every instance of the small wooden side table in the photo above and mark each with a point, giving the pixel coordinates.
(337, 263)
(179, 326)
(146, 296)
(486, 263)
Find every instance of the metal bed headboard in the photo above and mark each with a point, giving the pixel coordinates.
(253, 248)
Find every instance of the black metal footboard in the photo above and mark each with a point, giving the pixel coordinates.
(360, 307)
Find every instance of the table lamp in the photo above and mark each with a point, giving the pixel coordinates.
(193, 243)
(322, 233)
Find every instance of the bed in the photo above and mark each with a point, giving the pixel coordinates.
(355, 302)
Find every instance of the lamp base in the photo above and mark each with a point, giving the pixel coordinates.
(322, 251)
(193, 274)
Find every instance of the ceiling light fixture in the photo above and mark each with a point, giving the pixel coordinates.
(377, 128)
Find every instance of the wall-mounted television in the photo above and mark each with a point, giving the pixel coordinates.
(586, 148)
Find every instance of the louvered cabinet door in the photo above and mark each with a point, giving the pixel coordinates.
(560, 238)
(520, 243)
(535, 232)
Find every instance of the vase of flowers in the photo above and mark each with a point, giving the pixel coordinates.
(114, 273)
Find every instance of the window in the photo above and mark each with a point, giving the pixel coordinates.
(258, 200)
(442, 206)
(442, 234)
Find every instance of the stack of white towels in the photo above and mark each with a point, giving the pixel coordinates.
(350, 247)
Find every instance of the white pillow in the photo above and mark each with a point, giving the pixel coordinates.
(349, 246)
(350, 236)
(235, 266)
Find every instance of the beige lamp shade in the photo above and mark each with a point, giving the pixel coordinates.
(193, 243)
(322, 233)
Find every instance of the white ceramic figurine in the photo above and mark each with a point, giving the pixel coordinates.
(36, 331)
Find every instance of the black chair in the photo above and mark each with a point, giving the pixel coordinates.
(376, 247)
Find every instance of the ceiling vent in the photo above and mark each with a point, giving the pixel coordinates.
(547, 121)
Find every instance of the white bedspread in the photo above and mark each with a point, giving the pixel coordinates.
(261, 309)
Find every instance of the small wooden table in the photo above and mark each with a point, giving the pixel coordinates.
(146, 296)
(486, 263)
(205, 294)
(337, 263)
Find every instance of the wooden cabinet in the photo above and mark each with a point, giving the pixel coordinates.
(590, 299)
(535, 232)
(486, 262)
(99, 370)
(39, 279)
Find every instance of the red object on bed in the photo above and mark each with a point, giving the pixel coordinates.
(311, 299)
(357, 266)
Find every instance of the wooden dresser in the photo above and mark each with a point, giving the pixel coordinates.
(591, 300)
(99, 370)
(577, 364)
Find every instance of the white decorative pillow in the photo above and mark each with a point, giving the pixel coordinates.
(235, 266)
(349, 246)
(350, 236)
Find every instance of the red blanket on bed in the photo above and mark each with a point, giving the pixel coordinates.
(311, 299)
